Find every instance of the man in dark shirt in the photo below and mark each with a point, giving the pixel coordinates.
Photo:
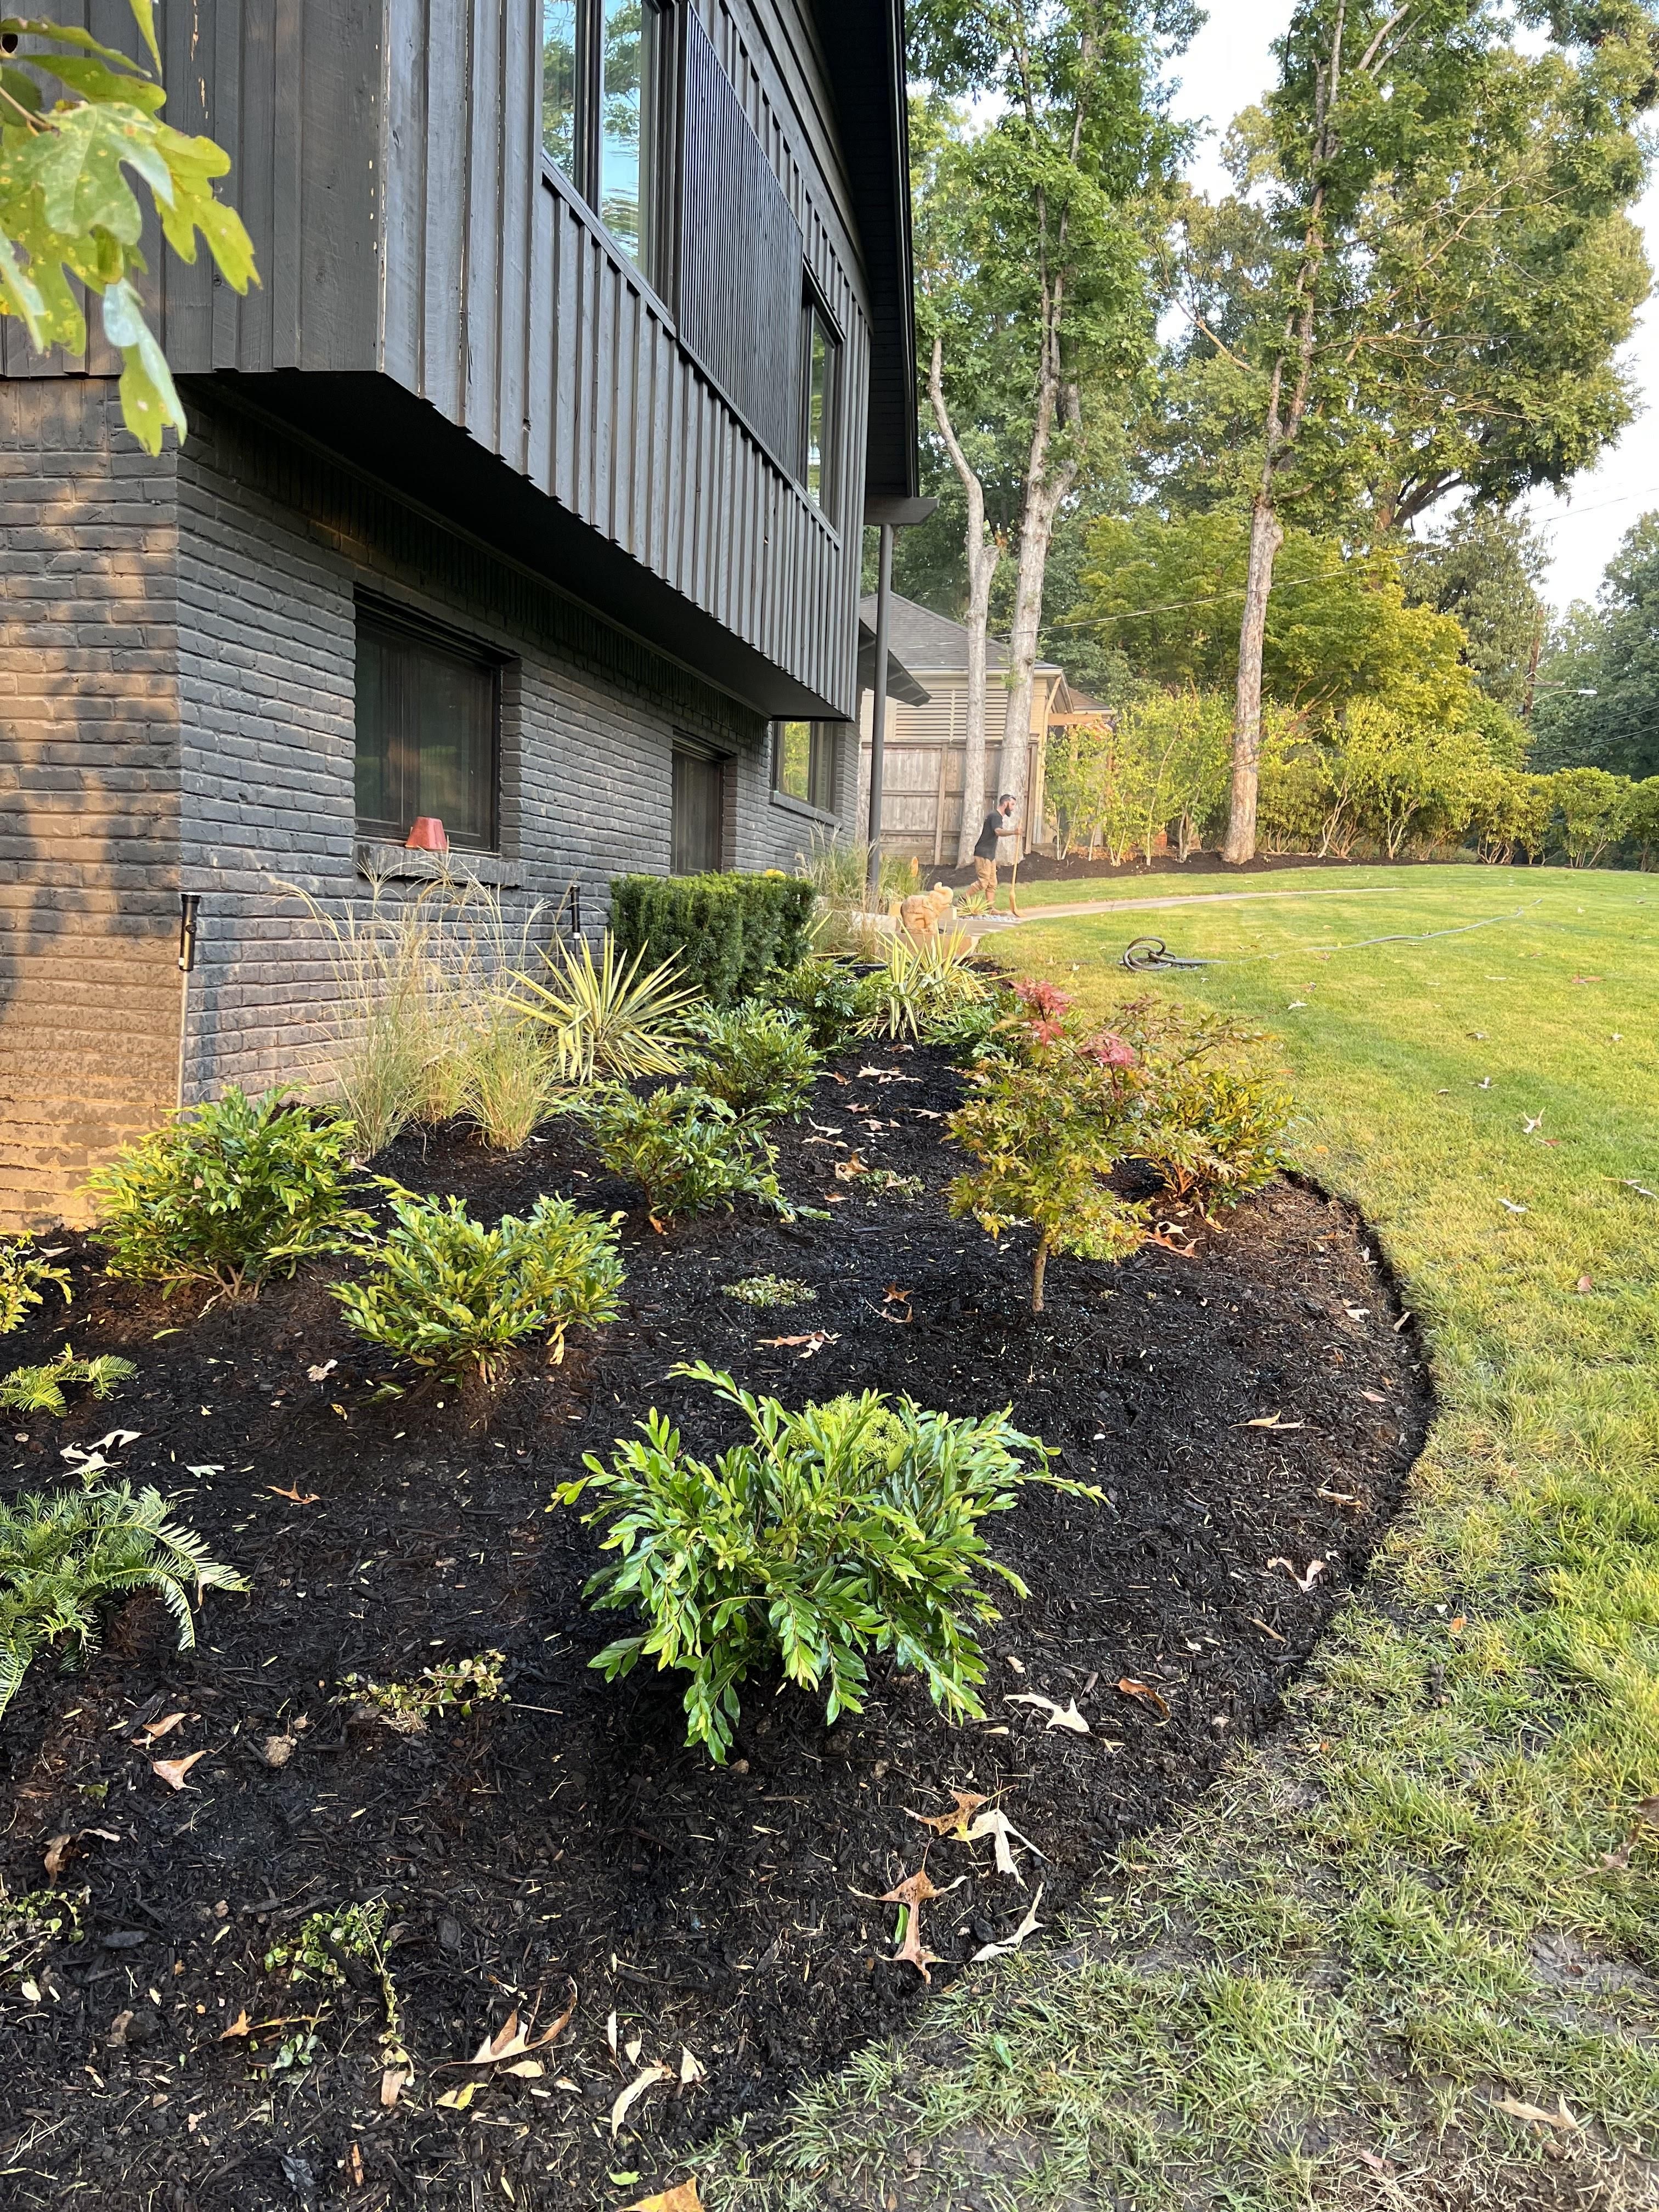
(999, 823)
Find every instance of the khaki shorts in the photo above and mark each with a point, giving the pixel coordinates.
(985, 876)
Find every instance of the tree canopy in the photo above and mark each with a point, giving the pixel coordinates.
(1598, 691)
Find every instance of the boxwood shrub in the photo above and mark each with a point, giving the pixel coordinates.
(730, 931)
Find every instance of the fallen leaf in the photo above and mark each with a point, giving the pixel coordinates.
(1028, 1926)
(632, 2049)
(682, 2198)
(56, 1855)
(174, 1771)
(850, 1169)
(321, 1374)
(1379, 2165)
(952, 1824)
(814, 1341)
(893, 1296)
(1457, 1624)
(512, 2041)
(691, 2067)
(1339, 1496)
(1585, 1284)
(1146, 1695)
(391, 2085)
(1518, 2109)
(165, 1726)
(1373, 1397)
(1510, 1206)
(997, 1825)
(1271, 1421)
(912, 1893)
(239, 2026)
(1641, 1187)
(611, 2036)
(1068, 1718)
(1303, 1583)
(530, 2070)
(298, 1497)
(635, 2089)
(456, 2100)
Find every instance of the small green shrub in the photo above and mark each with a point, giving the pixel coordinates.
(40, 1390)
(770, 1291)
(891, 1184)
(609, 1017)
(728, 932)
(917, 989)
(847, 1528)
(443, 1291)
(22, 1272)
(1213, 1134)
(227, 1193)
(62, 1556)
(689, 1152)
(334, 1949)
(759, 1059)
(827, 996)
(406, 1707)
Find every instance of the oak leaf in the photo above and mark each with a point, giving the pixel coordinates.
(1028, 1926)
(682, 2198)
(1068, 1717)
(953, 1824)
(174, 1771)
(635, 2089)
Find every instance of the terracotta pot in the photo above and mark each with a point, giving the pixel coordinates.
(427, 835)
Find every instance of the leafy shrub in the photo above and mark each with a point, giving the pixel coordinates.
(1213, 1134)
(759, 1059)
(1589, 807)
(228, 1193)
(40, 1390)
(826, 994)
(609, 1017)
(728, 932)
(22, 1272)
(406, 1707)
(846, 1527)
(1641, 819)
(443, 1291)
(1046, 1132)
(688, 1152)
(62, 1556)
(770, 1291)
(918, 987)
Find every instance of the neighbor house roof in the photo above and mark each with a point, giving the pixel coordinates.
(933, 645)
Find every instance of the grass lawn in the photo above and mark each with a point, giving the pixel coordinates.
(1434, 1894)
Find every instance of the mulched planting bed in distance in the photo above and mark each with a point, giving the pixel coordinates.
(569, 1837)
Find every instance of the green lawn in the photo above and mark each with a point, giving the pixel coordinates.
(1317, 1988)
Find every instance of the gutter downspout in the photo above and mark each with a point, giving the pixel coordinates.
(879, 715)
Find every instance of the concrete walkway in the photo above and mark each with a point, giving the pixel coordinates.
(977, 925)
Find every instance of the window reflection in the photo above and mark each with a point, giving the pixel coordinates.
(601, 63)
(559, 104)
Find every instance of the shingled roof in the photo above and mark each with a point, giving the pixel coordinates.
(932, 645)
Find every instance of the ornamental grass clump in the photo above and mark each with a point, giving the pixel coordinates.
(230, 1191)
(846, 1528)
(688, 1152)
(62, 1556)
(444, 1292)
(759, 1059)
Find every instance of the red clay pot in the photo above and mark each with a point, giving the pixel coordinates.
(427, 835)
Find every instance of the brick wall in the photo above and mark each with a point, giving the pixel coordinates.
(89, 792)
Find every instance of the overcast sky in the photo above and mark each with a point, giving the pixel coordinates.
(1227, 66)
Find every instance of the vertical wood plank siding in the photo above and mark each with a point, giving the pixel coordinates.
(386, 158)
(742, 258)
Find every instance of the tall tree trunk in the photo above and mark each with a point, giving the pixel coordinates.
(983, 555)
(1267, 535)
(1045, 495)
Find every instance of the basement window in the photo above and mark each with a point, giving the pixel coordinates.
(805, 759)
(428, 735)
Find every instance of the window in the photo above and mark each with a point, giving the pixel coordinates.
(428, 717)
(605, 72)
(698, 813)
(820, 402)
(805, 759)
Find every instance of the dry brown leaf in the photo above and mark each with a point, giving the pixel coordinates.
(953, 1824)
(1303, 1583)
(1647, 1811)
(849, 1170)
(610, 2038)
(912, 1893)
(298, 1497)
(691, 2067)
(56, 1855)
(997, 1824)
(512, 2041)
(635, 2089)
(1271, 1421)
(682, 2198)
(1028, 1926)
(814, 1341)
(456, 2100)
(174, 1771)
(1585, 1285)
(1518, 2109)
(239, 2026)
(1373, 1397)
(632, 2048)
(1145, 1694)
(391, 2086)
(1378, 2165)
(1068, 1717)
(165, 1726)
(530, 2069)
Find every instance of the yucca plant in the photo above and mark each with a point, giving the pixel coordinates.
(844, 1528)
(62, 1556)
(444, 1292)
(40, 1390)
(917, 984)
(22, 1270)
(609, 1016)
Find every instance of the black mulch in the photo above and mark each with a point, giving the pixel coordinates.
(569, 1837)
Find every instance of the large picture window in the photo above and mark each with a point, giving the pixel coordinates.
(820, 402)
(428, 722)
(605, 73)
(804, 758)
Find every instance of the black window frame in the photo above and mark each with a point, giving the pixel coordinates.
(690, 757)
(397, 626)
(822, 766)
(815, 319)
(659, 102)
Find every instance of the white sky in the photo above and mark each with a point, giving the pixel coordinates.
(1227, 66)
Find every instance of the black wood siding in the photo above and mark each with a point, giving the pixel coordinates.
(386, 159)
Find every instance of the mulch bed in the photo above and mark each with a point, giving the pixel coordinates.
(569, 1837)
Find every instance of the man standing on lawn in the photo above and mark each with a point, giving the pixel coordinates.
(999, 823)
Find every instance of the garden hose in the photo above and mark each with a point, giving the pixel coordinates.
(1144, 954)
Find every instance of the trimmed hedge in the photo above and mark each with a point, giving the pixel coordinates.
(730, 931)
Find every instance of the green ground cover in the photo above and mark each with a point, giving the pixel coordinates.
(1435, 1892)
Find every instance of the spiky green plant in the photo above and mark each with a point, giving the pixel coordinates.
(64, 1555)
(40, 1390)
(916, 984)
(609, 1016)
